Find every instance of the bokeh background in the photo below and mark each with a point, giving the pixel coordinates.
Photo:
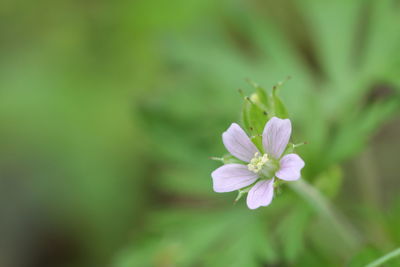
(109, 111)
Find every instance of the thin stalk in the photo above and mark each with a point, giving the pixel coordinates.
(322, 205)
(369, 186)
(385, 258)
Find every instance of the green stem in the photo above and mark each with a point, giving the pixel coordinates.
(323, 206)
(369, 186)
(385, 258)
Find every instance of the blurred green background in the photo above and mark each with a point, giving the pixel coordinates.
(109, 111)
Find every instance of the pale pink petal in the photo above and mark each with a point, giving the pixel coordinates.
(238, 143)
(231, 177)
(261, 194)
(290, 167)
(276, 136)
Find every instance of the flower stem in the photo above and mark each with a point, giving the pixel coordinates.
(384, 258)
(322, 205)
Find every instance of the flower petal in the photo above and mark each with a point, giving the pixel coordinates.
(261, 194)
(231, 177)
(290, 167)
(238, 143)
(276, 136)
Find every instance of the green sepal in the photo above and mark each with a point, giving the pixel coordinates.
(279, 110)
(291, 147)
(260, 107)
(262, 95)
(227, 159)
(242, 192)
(254, 114)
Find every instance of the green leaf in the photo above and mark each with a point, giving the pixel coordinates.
(292, 230)
(329, 182)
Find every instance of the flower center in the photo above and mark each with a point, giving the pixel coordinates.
(256, 164)
(263, 164)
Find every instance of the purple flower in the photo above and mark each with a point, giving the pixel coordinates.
(261, 169)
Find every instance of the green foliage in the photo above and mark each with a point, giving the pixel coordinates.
(292, 230)
(110, 111)
(330, 181)
(209, 238)
(335, 102)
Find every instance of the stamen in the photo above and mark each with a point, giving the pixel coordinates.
(257, 162)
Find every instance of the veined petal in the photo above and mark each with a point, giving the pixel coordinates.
(238, 143)
(231, 177)
(276, 136)
(261, 194)
(290, 167)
